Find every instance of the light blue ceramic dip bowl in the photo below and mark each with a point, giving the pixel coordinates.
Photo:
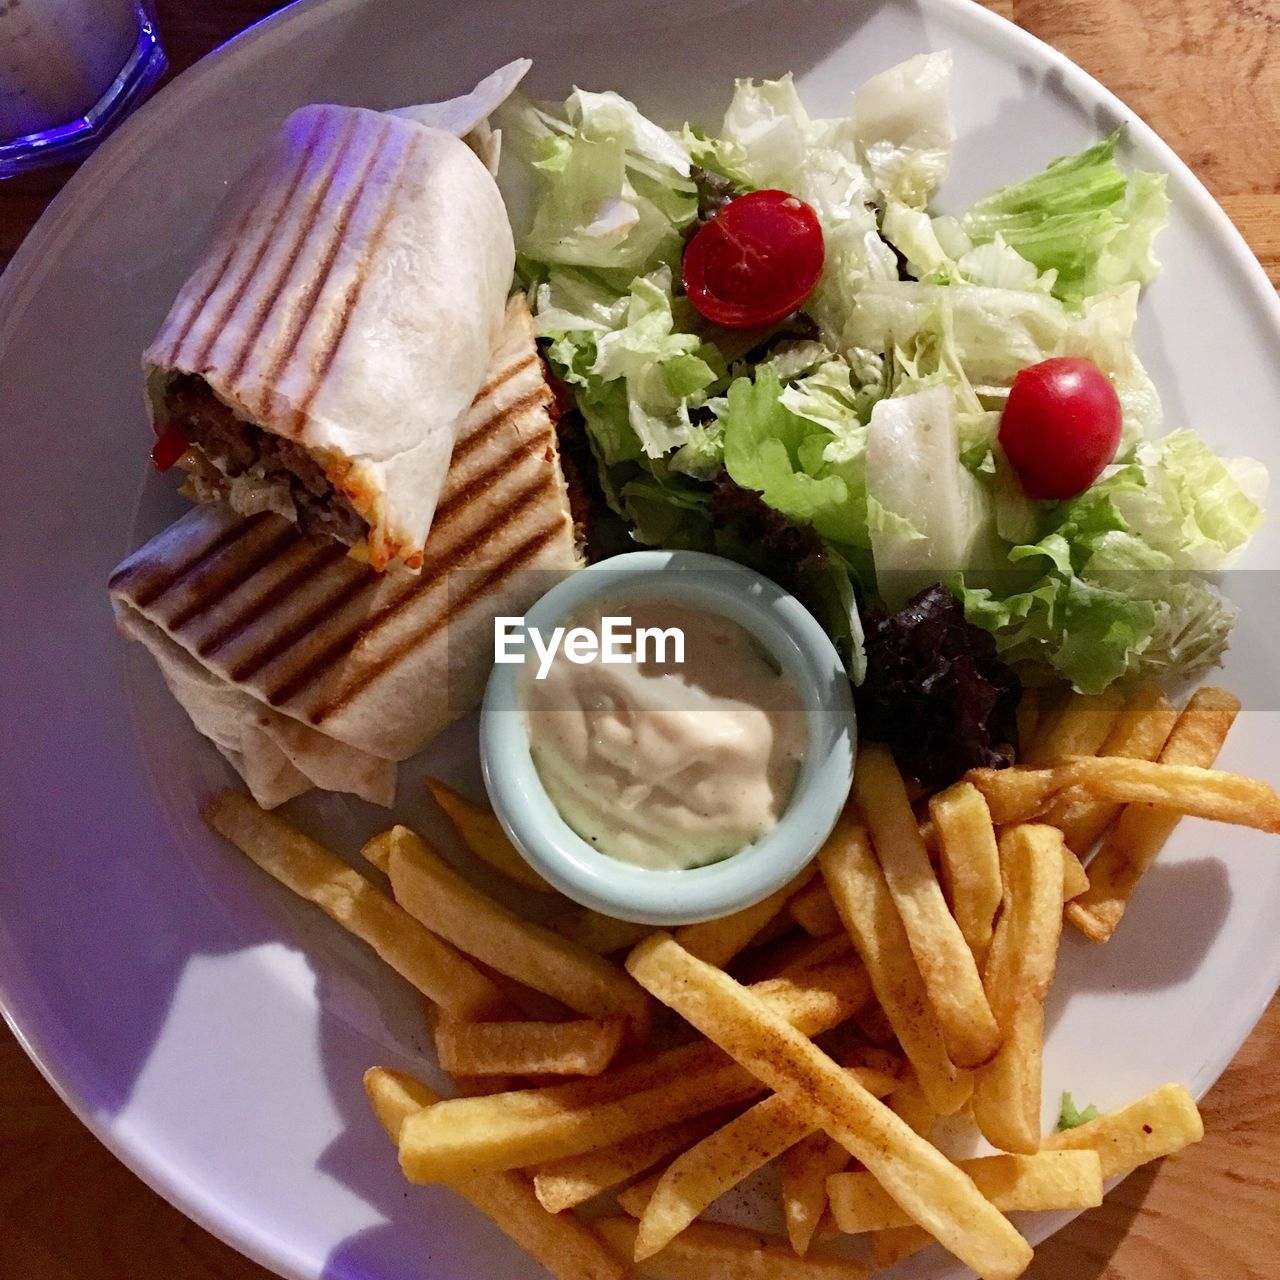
(801, 649)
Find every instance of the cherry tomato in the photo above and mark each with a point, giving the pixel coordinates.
(756, 261)
(170, 445)
(1060, 426)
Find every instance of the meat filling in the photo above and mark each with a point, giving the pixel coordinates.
(255, 470)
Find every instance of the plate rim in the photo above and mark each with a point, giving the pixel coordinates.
(22, 277)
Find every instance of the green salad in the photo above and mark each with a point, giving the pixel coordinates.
(862, 447)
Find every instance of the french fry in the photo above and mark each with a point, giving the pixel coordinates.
(802, 1176)
(435, 894)
(1162, 1122)
(1137, 837)
(814, 912)
(700, 1176)
(718, 941)
(581, 1048)
(909, 1103)
(1016, 794)
(714, 1251)
(1139, 733)
(482, 833)
(464, 1136)
(969, 861)
(933, 1191)
(874, 1023)
(564, 1184)
(862, 897)
(566, 1246)
(943, 957)
(599, 933)
(1078, 729)
(892, 1245)
(1187, 789)
(448, 979)
(1006, 1092)
(1028, 717)
(1075, 879)
(1047, 1180)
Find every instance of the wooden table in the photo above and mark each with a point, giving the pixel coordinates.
(1206, 75)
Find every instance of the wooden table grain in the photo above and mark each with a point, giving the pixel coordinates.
(1206, 75)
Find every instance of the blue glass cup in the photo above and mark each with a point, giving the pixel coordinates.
(70, 70)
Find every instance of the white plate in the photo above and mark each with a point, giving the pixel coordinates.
(209, 1029)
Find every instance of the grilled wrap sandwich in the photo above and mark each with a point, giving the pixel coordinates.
(319, 360)
(304, 665)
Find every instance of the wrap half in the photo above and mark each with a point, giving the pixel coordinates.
(307, 667)
(320, 358)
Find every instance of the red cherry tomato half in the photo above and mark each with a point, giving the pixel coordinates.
(1060, 426)
(170, 445)
(756, 261)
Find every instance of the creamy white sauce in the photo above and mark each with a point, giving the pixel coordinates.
(667, 765)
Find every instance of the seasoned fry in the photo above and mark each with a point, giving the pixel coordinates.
(1162, 1122)
(581, 1048)
(1075, 879)
(718, 941)
(482, 833)
(563, 1184)
(936, 1194)
(1139, 732)
(1137, 837)
(1024, 952)
(721, 1160)
(464, 1136)
(599, 933)
(874, 1023)
(436, 895)
(1028, 718)
(1159, 1124)
(1078, 729)
(943, 957)
(1016, 794)
(1183, 788)
(566, 1246)
(446, 978)
(893, 1244)
(714, 1251)
(1012, 1183)
(969, 861)
(858, 888)
(908, 1101)
(814, 911)
(802, 1175)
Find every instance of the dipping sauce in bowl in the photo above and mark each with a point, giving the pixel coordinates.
(667, 784)
(682, 751)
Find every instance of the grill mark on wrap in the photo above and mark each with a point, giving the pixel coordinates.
(207, 599)
(329, 348)
(201, 359)
(486, 580)
(465, 447)
(473, 489)
(504, 377)
(305, 310)
(321, 557)
(296, 681)
(150, 594)
(301, 234)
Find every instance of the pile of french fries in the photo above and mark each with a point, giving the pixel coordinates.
(828, 1029)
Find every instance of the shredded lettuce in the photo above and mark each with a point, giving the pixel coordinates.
(1110, 590)
(1082, 217)
(876, 432)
